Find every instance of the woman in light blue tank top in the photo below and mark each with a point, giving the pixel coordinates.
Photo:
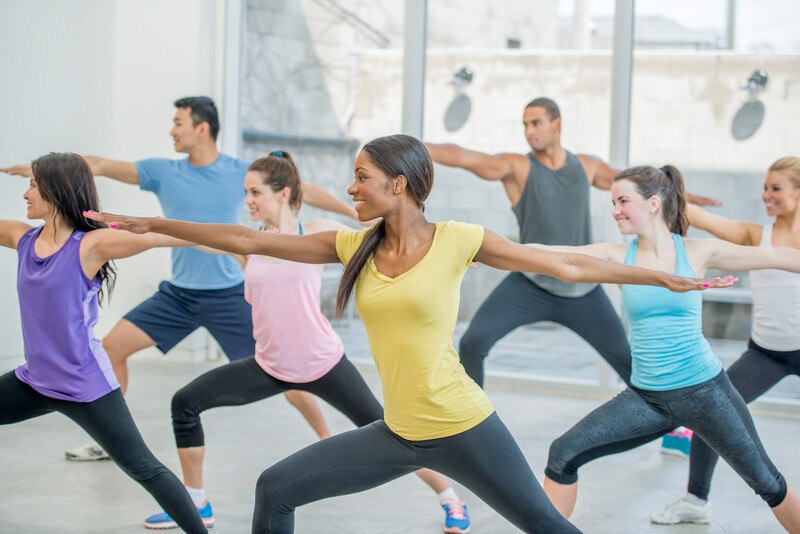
(773, 351)
(676, 379)
(62, 268)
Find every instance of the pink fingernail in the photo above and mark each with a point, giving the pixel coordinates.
(706, 285)
(113, 225)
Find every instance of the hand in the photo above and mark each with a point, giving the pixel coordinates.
(136, 225)
(18, 170)
(702, 201)
(682, 284)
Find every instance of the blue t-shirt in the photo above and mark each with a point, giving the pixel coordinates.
(666, 331)
(210, 194)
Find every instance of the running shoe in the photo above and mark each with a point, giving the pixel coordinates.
(163, 520)
(682, 511)
(86, 453)
(677, 443)
(456, 518)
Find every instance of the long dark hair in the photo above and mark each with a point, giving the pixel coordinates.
(393, 155)
(667, 184)
(278, 171)
(65, 182)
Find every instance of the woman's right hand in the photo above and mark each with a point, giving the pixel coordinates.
(682, 284)
(18, 170)
(136, 225)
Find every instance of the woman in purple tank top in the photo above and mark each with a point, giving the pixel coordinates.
(63, 266)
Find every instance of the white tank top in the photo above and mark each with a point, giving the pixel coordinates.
(776, 305)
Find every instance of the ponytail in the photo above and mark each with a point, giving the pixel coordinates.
(368, 246)
(675, 211)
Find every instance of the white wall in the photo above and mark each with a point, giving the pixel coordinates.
(98, 77)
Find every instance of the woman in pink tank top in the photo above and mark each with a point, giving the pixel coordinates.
(297, 350)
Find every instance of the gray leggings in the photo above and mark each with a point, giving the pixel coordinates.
(714, 410)
(108, 421)
(517, 301)
(752, 375)
(485, 459)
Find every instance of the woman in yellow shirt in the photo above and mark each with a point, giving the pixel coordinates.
(406, 273)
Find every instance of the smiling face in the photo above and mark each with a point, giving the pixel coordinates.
(541, 131)
(264, 203)
(631, 210)
(371, 190)
(184, 133)
(38, 208)
(780, 195)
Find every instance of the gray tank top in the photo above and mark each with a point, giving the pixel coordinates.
(554, 210)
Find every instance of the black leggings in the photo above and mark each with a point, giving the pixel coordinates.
(108, 421)
(713, 409)
(244, 382)
(517, 301)
(756, 371)
(485, 459)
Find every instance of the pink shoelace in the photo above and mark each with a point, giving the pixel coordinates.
(455, 509)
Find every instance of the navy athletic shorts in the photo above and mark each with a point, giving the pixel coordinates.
(175, 312)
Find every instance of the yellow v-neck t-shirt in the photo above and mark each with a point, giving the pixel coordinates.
(409, 319)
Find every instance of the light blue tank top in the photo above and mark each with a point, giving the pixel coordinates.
(666, 331)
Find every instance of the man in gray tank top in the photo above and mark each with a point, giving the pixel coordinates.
(549, 193)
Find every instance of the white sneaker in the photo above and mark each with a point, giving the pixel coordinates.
(682, 511)
(86, 453)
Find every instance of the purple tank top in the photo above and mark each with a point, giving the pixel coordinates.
(58, 307)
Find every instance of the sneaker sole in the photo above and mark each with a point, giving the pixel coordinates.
(675, 452)
(160, 526)
(73, 458)
(455, 530)
(207, 522)
(683, 521)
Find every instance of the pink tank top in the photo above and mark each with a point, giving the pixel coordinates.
(294, 341)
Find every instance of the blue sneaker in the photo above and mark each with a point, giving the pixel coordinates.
(456, 518)
(677, 443)
(163, 520)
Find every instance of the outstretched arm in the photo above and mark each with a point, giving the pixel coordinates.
(18, 170)
(729, 257)
(499, 252)
(315, 248)
(122, 171)
(486, 166)
(11, 231)
(104, 245)
(741, 233)
(314, 195)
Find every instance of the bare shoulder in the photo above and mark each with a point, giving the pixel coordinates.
(325, 225)
(701, 247)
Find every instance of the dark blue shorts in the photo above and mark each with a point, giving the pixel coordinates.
(174, 312)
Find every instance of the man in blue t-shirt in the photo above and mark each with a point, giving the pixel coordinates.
(205, 289)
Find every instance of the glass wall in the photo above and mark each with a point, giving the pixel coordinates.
(716, 94)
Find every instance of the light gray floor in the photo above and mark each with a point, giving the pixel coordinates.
(42, 493)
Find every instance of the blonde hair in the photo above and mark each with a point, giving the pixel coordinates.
(789, 165)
